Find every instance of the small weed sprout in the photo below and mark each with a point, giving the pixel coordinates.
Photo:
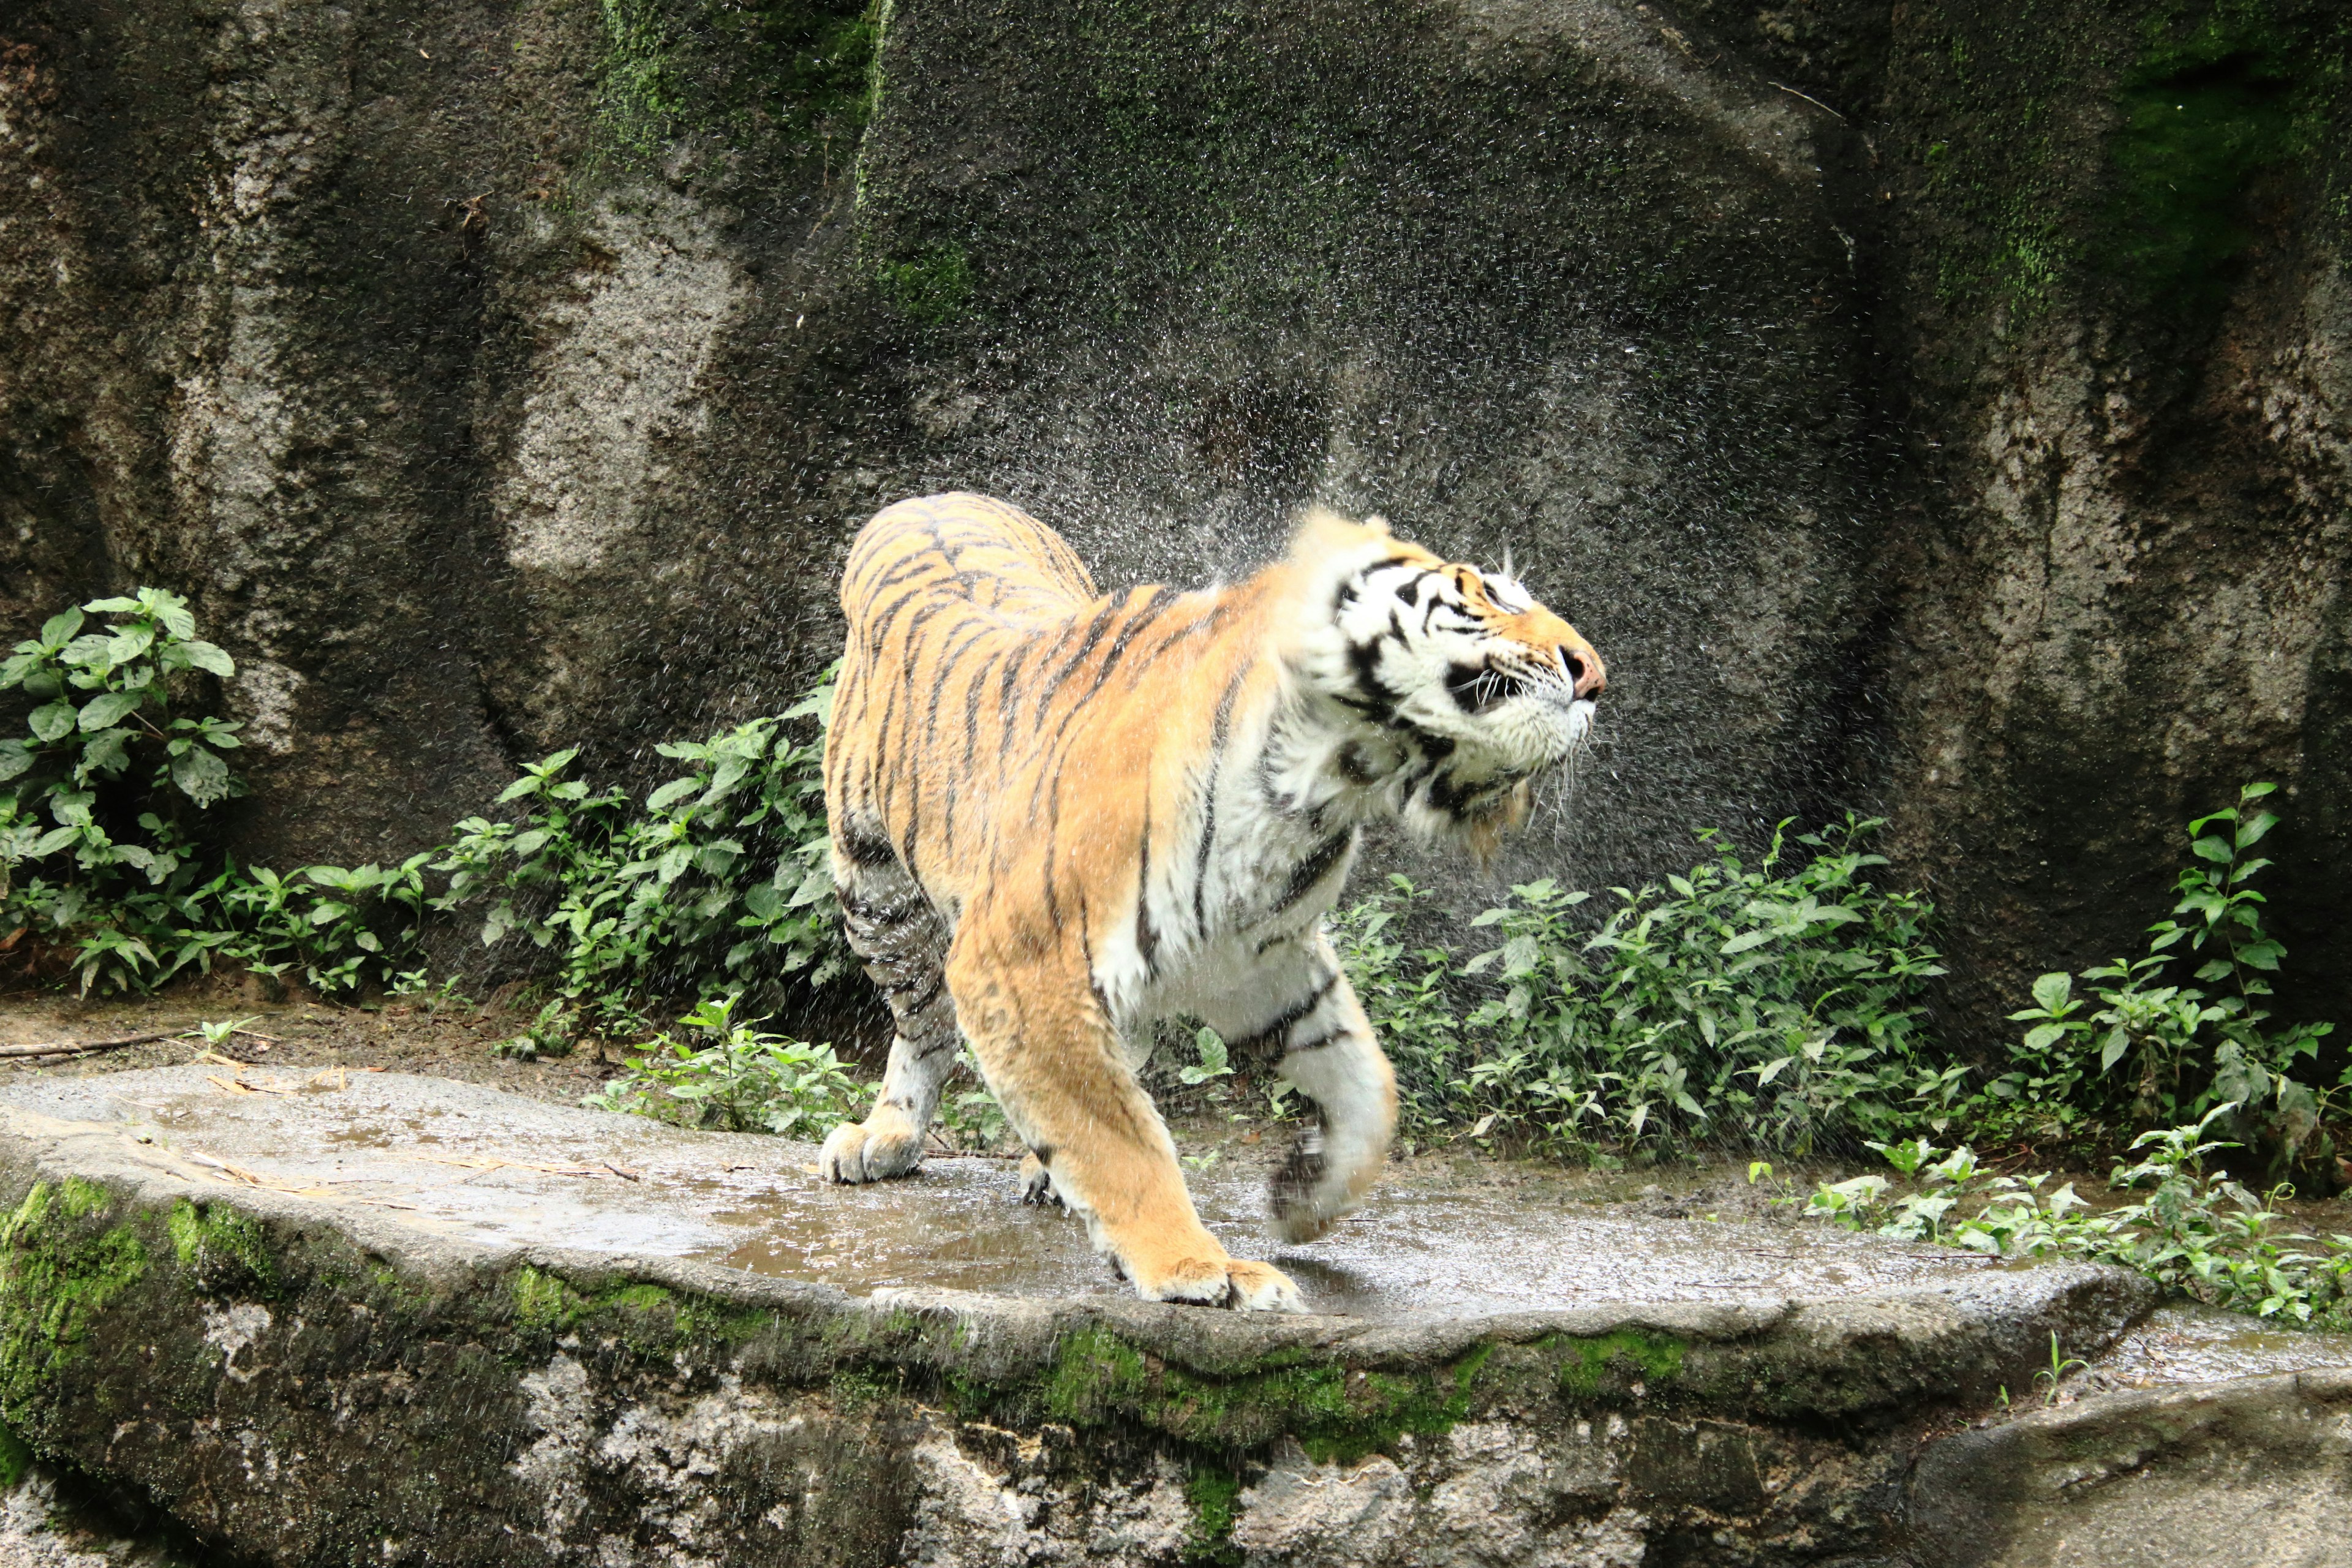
(217, 1037)
(2055, 1373)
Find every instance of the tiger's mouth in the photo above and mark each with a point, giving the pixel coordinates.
(1482, 687)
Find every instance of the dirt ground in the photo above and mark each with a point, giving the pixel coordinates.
(397, 1035)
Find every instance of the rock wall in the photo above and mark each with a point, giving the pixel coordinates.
(1913, 414)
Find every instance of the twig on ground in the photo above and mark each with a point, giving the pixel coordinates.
(91, 1048)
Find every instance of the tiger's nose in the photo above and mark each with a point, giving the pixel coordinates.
(1587, 676)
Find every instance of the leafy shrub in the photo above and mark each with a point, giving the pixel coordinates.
(2197, 1234)
(1406, 994)
(2138, 1052)
(1779, 1004)
(100, 809)
(721, 879)
(734, 1078)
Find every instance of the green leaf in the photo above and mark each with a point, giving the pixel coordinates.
(672, 793)
(2263, 955)
(59, 628)
(2217, 851)
(52, 722)
(201, 775)
(173, 611)
(1747, 940)
(16, 758)
(206, 656)
(88, 650)
(55, 840)
(106, 712)
(114, 606)
(2042, 1039)
(128, 643)
(2118, 1042)
(2052, 990)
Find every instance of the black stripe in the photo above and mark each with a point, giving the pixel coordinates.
(1314, 868)
(1289, 1016)
(1218, 734)
(1146, 940)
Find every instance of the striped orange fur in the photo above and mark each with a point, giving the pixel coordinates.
(1059, 814)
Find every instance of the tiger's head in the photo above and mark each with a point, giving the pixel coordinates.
(1462, 689)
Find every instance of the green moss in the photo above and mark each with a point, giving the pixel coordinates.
(544, 1302)
(1335, 1412)
(933, 286)
(1213, 1492)
(756, 75)
(1589, 1365)
(84, 1197)
(57, 1273)
(227, 1250)
(2215, 103)
(15, 1458)
(1094, 1372)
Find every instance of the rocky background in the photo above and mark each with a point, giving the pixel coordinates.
(1939, 408)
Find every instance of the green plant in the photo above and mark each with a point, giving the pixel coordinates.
(217, 1035)
(734, 1078)
(1215, 1062)
(970, 1119)
(2050, 1377)
(100, 845)
(2137, 1051)
(1404, 995)
(1780, 1004)
(550, 1034)
(2197, 1234)
(96, 798)
(721, 879)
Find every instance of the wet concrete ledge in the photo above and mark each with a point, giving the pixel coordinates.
(305, 1377)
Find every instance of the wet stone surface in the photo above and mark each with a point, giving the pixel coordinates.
(327, 1317)
(1431, 1240)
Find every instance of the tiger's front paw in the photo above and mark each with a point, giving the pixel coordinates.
(885, 1144)
(1037, 1184)
(1223, 1282)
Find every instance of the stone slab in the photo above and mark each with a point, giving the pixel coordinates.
(2250, 1473)
(312, 1353)
(467, 1161)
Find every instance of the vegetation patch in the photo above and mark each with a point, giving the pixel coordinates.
(1589, 1367)
(1215, 1495)
(2215, 103)
(1336, 1414)
(227, 1252)
(736, 1079)
(58, 1271)
(16, 1457)
(1781, 1003)
(756, 76)
(933, 286)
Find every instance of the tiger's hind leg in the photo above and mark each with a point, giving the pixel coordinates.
(892, 926)
(1324, 1047)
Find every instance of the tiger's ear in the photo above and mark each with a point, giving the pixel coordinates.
(1324, 534)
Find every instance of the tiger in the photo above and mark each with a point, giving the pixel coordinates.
(1059, 815)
